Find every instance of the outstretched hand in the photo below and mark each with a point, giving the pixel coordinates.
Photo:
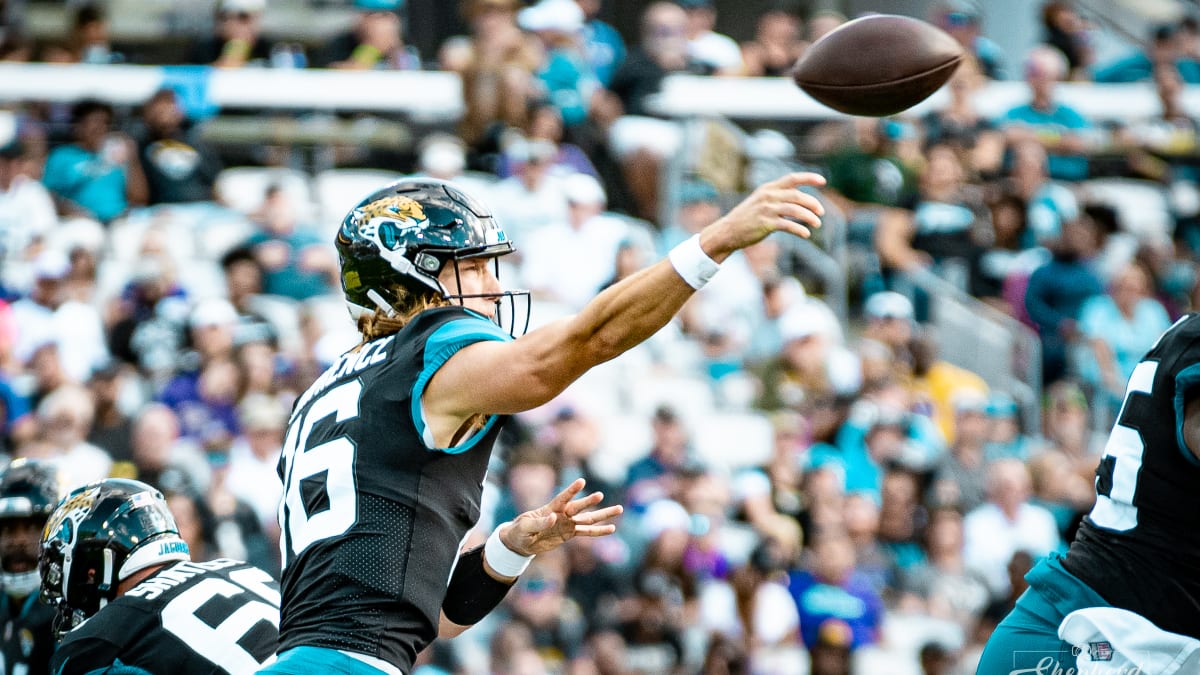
(562, 519)
(777, 206)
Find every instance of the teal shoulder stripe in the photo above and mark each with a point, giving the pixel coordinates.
(1185, 381)
(439, 347)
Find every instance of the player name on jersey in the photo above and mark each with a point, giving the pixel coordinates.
(351, 362)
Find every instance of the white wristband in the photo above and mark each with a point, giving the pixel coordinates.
(503, 560)
(692, 263)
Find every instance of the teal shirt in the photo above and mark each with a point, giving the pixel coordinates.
(1059, 120)
(88, 179)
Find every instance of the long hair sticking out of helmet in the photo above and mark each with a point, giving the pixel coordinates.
(395, 243)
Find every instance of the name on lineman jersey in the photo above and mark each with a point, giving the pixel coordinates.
(347, 364)
(170, 578)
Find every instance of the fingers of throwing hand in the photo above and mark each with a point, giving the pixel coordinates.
(793, 180)
(563, 499)
(598, 516)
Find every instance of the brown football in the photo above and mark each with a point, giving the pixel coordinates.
(877, 65)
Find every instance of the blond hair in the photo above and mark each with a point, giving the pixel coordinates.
(408, 304)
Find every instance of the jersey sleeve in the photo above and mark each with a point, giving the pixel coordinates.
(442, 344)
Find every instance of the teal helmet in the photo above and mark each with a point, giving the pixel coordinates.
(405, 234)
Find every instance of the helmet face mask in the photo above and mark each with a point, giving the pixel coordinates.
(100, 535)
(405, 234)
(29, 491)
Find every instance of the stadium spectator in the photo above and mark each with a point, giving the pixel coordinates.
(1007, 524)
(812, 362)
(376, 41)
(237, 39)
(1166, 50)
(891, 321)
(89, 36)
(1066, 135)
(251, 475)
(657, 475)
(568, 262)
(539, 601)
(777, 45)
(546, 124)
(820, 23)
(1067, 32)
(47, 317)
(709, 52)
(1057, 291)
(962, 20)
(1118, 328)
(27, 210)
(960, 125)
(496, 65)
(204, 389)
(1007, 437)
(565, 79)
(65, 417)
(603, 46)
(948, 228)
(1058, 486)
(534, 196)
(829, 587)
(938, 387)
(112, 428)
(754, 609)
(98, 175)
(946, 587)
(157, 449)
(298, 263)
(959, 480)
(640, 141)
(179, 166)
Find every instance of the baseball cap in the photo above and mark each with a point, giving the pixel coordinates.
(698, 190)
(10, 145)
(261, 411)
(556, 15)
(1001, 405)
(888, 305)
(805, 319)
(51, 264)
(213, 312)
(663, 515)
(580, 188)
(248, 6)
(379, 5)
(694, 4)
(970, 400)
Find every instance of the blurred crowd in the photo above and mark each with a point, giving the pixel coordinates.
(160, 311)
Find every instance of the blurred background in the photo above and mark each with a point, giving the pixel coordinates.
(844, 454)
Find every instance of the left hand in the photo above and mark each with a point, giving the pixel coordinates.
(546, 528)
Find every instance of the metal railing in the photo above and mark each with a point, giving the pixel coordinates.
(971, 334)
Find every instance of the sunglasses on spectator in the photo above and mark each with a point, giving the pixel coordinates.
(240, 16)
(666, 31)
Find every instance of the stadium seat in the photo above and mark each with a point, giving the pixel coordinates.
(1142, 206)
(242, 188)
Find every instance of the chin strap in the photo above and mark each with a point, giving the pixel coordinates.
(21, 584)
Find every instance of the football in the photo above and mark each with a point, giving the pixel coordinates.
(877, 65)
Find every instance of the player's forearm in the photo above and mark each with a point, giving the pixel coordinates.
(627, 313)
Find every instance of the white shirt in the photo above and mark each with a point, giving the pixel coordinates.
(254, 481)
(26, 210)
(991, 539)
(571, 264)
(775, 616)
(720, 52)
(76, 328)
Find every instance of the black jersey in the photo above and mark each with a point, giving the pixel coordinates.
(1139, 548)
(28, 635)
(190, 618)
(372, 517)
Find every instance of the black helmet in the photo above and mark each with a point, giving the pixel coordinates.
(98, 536)
(405, 233)
(29, 491)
